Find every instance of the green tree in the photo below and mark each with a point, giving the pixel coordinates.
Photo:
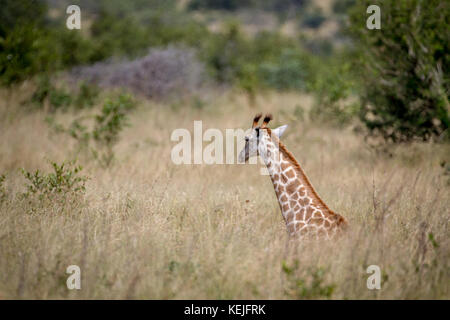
(404, 68)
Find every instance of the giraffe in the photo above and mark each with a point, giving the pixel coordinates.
(303, 210)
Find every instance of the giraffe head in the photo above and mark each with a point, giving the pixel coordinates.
(257, 139)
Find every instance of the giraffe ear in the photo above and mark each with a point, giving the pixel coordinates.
(279, 131)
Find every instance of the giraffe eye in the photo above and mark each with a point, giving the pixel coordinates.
(246, 139)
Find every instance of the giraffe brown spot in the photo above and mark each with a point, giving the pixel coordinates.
(292, 203)
(292, 187)
(290, 174)
(309, 212)
(276, 177)
(284, 166)
(299, 216)
(294, 196)
(281, 189)
(326, 224)
(302, 191)
(284, 179)
(283, 198)
(299, 226)
(317, 214)
(316, 221)
(302, 212)
(285, 207)
(304, 202)
(289, 217)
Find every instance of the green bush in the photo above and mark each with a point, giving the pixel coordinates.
(230, 5)
(87, 95)
(14, 13)
(112, 119)
(61, 98)
(335, 90)
(25, 51)
(404, 68)
(310, 286)
(225, 54)
(288, 71)
(266, 60)
(313, 19)
(64, 185)
(45, 91)
(100, 137)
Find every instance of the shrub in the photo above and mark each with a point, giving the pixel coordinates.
(57, 97)
(32, 43)
(160, 74)
(105, 130)
(226, 53)
(230, 5)
(19, 12)
(312, 286)
(288, 71)
(118, 36)
(63, 185)
(109, 123)
(25, 51)
(334, 89)
(269, 60)
(405, 68)
(87, 95)
(61, 98)
(313, 19)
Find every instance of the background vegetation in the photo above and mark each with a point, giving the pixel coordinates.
(85, 170)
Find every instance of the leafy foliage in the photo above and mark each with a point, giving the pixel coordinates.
(404, 69)
(61, 98)
(334, 89)
(111, 120)
(288, 71)
(313, 286)
(65, 181)
(105, 131)
(20, 12)
(24, 51)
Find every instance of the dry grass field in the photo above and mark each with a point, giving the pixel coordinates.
(148, 229)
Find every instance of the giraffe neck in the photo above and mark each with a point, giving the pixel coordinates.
(302, 209)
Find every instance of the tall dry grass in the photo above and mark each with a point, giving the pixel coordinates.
(149, 229)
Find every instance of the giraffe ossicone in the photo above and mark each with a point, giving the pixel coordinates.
(303, 210)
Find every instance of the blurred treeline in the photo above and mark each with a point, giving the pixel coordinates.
(395, 80)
